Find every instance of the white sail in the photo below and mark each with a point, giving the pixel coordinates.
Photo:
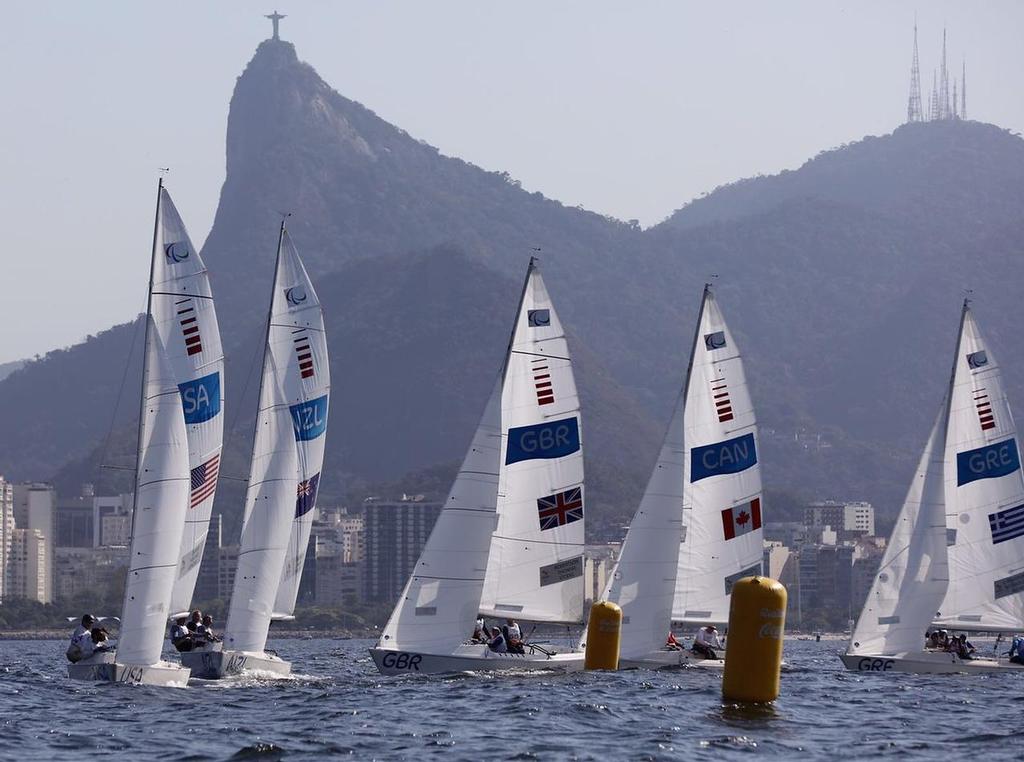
(273, 480)
(535, 568)
(184, 316)
(161, 493)
(722, 512)
(913, 576)
(644, 581)
(306, 385)
(438, 606)
(984, 493)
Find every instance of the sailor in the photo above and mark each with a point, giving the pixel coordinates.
(513, 636)
(205, 630)
(98, 638)
(181, 638)
(671, 644)
(963, 647)
(76, 649)
(707, 642)
(480, 632)
(497, 642)
(1016, 652)
(196, 619)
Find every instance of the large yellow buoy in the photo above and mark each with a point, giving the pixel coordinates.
(753, 658)
(603, 630)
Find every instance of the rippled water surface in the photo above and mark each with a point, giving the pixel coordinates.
(336, 704)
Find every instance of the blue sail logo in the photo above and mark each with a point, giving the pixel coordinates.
(987, 462)
(309, 419)
(551, 439)
(200, 398)
(728, 457)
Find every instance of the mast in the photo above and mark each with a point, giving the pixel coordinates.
(145, 350)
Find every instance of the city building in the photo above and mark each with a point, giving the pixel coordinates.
(848, 520)
(598, 563)
(826, 579)
(208, 581)
(6, 535)
(29, 567)
(227, 565)
(35, 510)
(112, 519)
(395, 533)
(81, 571)
(74, 520)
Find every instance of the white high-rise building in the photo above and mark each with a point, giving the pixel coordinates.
(29, 567)
(6, 536)
(35, 512)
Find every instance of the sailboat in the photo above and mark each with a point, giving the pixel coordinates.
(509, 541)
(284, 476)
(698, 527)
(198, 365)
(162, 485)
(955, 555)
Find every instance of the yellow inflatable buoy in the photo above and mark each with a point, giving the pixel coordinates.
(753, 658)
(603, 631)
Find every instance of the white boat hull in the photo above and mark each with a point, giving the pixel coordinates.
(215, 663)
(105, 668)
(669, 659)
(926, 663)
(471, 658)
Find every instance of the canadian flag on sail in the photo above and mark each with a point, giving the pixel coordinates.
(742, 518)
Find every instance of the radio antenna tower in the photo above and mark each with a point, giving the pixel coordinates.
(933, 111)
(914, 101)
(963, 92)
(944, 108)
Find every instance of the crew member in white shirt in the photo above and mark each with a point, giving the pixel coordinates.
(81, 639)
(707, 643)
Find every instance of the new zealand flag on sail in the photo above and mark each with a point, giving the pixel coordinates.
(306, 495)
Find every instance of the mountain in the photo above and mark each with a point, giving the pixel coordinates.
(841, 280)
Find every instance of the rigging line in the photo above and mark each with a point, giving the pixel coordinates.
(120, 393)
(181, 293)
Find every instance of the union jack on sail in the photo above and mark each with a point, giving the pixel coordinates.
(560, 509)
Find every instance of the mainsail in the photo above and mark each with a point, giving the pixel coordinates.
(161, 492)
(984, 489)
(270, 499)
(722, 512)
(438, 606)
(535, 568)
(184, 317)
(306, 385)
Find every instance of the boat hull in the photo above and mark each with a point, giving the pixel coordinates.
(470, 659)
(670, 659)
(215, 663)
(926, 663)
(105, 668)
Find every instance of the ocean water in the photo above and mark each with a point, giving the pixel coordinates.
(336, 705)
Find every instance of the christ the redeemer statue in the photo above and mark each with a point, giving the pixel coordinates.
(275, 19)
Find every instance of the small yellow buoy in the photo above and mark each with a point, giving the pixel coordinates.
(753, 659)
(603, 630)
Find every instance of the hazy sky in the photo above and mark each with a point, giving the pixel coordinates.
(626, 108)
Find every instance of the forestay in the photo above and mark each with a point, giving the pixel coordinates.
(438, 606)
(535, 569)
(270, 499)
(306, 385)
(722, 512)
(184, 317)
(984, 493)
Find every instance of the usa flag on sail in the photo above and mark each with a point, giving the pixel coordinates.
(743, 518)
